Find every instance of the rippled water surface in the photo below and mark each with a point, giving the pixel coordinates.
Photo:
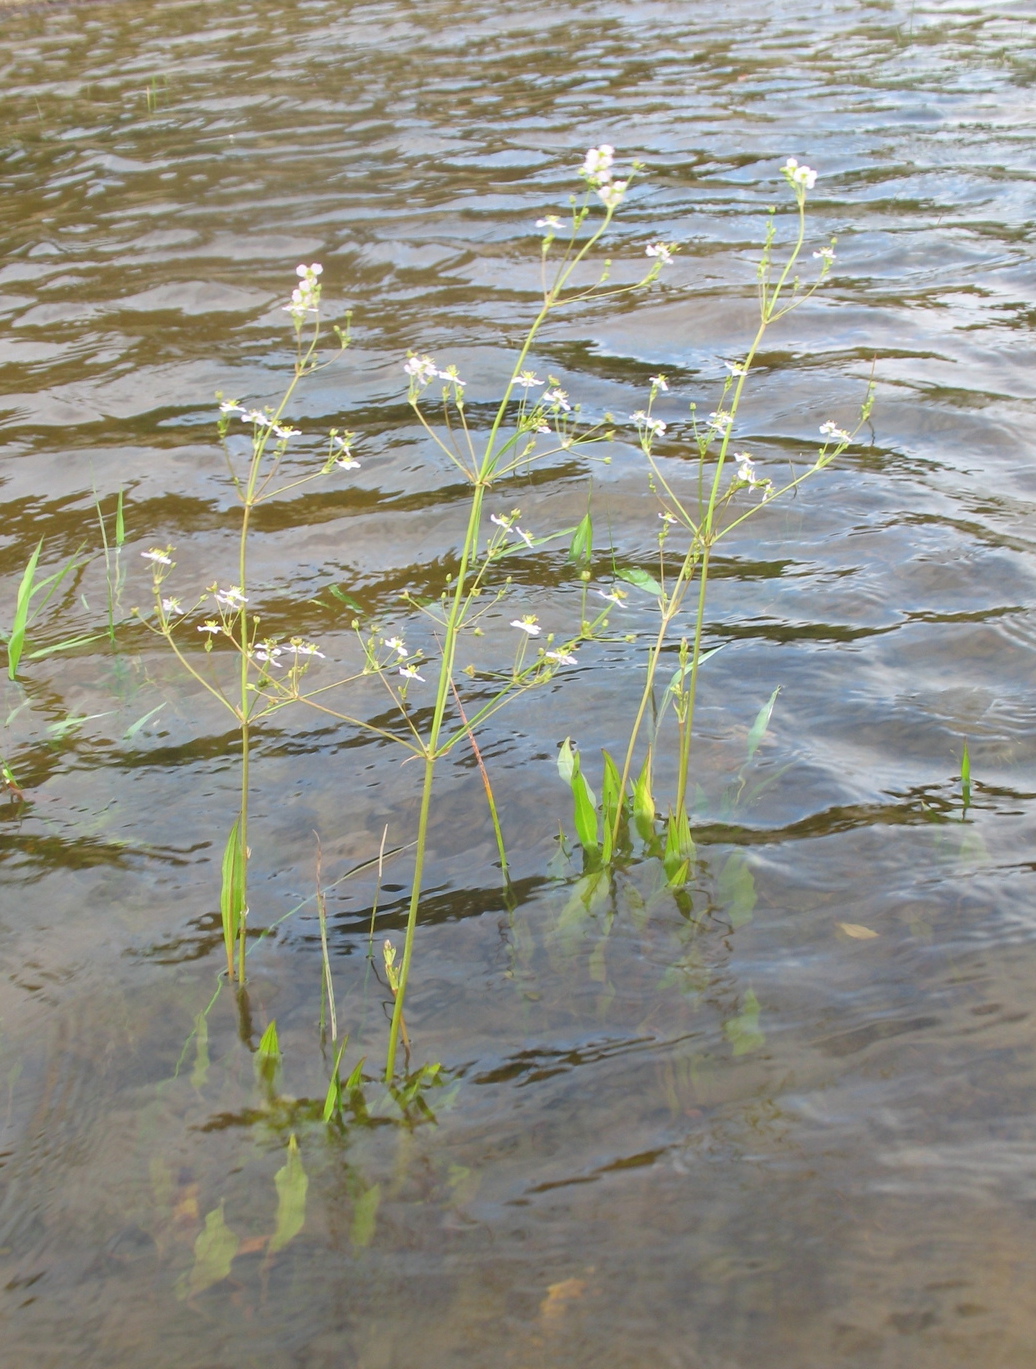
(708, 1131)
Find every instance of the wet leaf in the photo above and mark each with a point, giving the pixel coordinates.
(736, 889)
(16, 641)
(365, 1216)
(292, 1182)
(633, 575)
(214, 1252)
(762, 722)
(269, 1046)
(743, 1031)
(854, 929)
(581, 549)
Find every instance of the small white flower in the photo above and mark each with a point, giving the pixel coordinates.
(171, 606)
(551, 221)
(662, 250)
(543, 428)
(719, 422)
(284, 432)
(527, 379)
(736, 368)
(305, 298)
(646, 424)
(230, 406)
(617, 596)
(830, 430)
(745, 468)
(826, 254)
(527, 624)
(451, 375)
(158, 557)
(612, 192)
(801, 177)
(500, 520)
(557, 399)
(659, 383)
(268, 655)
(421, 370)
(397, 645)
(409, 672)
(667, 517)
(526, 538)
(597, 165)
(560, 657)
(257, 417)
(302, 648)
(210, 625)
(231, 598)
(346, 463)
(304, 272)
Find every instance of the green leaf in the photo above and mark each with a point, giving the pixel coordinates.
(269, 1046)
(134, 728)
(333, 1099)
(581, 549)
(120, 523)
(16, 641)
(214, 1252)
(365, 1215)
(232, 893)
(743, 1031)
(644, 802)
(679, 848)
(344, 598)
(292, 1182)
(633, 575)
(585, 813)
(567, 763)
(762, 722)
(736, 889)
(611, 790)
(965, 774)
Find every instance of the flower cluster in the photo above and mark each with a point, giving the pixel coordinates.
(305, 298)
(746, 473)
(833, 432)
(663, 251)
(509, 521)
(800, 178)
(653, 427)
(259, 419)
(597, 172)
(422, 370)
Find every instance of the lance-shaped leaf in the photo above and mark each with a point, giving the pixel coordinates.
(292, 1182)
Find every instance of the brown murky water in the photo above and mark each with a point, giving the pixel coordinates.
(628, 1167)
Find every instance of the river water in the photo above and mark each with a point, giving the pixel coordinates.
(700, 1136)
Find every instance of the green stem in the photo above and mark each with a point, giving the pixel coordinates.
(411, 922)
(687, 730)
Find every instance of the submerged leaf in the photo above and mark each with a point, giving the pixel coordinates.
(762, 722)
(743, 1031)
(292, 1182)
(365, 1216)
(736, 889)
(854, 929)
(214, 1252)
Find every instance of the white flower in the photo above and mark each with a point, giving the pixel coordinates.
(268, 655)
(210, 625)
(560, 657)
(557, 399)
(826, 254)
(801, 177)
(347, 463)
(612, 192)
(543, 428)
(256, 416)
(231, 598)
(736, 368)
(659, 383)
(719, 422)
(667, 517)
(551, 221)
(397, 645)
(645, 423)
(451, 375)
(597, 165)
(617, 596)
(421, 370)
(302, 648)
(525, 537)
(745, 468)
(830, 429)
(171, 606)
(283, 431)
(230, 406)
(409, 672)
(500, 520)
(305, 298)
(662, 250)
(527, 624)
(158, 557)
(527, 379)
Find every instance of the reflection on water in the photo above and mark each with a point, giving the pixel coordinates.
(691, 1131)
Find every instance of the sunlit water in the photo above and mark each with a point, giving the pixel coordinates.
(627, 1167)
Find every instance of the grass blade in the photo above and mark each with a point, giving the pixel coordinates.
(232, 894)
(16, 641)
